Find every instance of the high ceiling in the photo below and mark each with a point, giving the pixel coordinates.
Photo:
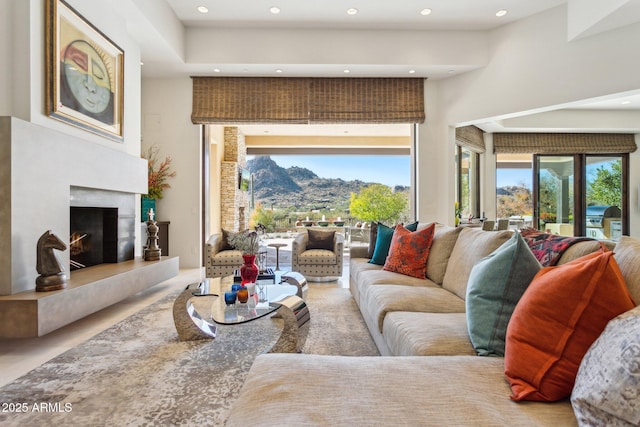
(618, 113)
(369, 14)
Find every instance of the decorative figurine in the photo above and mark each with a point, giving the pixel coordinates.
(52, 276)
(151, 250)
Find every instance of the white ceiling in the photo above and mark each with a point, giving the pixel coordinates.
(372, 14)
(458, 15)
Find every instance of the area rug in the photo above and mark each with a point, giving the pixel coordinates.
(138, 373)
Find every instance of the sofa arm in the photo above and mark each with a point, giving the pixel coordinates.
(359, 252)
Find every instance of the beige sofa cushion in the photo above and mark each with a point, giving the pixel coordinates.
(627, 254)
(581, 249)
(472, 245)
(391, 278)
(305, 390)
(427, 334)
(443, 242)
(377, 301)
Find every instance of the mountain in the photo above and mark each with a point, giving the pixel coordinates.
(297, 187)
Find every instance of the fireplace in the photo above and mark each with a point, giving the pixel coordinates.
(94, 236)
(101, 226)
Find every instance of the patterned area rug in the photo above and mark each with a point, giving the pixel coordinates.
(138, 373)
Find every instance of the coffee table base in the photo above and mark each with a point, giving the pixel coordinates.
(191, 326)
(296, 316)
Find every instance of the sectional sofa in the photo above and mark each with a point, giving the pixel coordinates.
(430, 372)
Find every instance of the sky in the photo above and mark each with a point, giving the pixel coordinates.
(506, 177)
(388, 170)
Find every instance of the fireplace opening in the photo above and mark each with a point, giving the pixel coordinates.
(94, 236)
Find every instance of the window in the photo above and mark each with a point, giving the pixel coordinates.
(582, 194)
(514, 187)
(467, 181)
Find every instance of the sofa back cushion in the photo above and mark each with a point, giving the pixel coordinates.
(444, 239)
(581, 249)
(472, 245)
(496, 284)
(627, 253)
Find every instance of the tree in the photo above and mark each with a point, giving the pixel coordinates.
(606, 187)
(263, 216)
(377, 202)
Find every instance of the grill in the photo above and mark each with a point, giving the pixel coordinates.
(596, 214)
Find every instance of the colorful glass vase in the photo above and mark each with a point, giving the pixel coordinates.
(249, 270)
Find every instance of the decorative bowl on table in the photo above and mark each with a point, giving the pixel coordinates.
(307, 223)
(338, 223)
(323, 223)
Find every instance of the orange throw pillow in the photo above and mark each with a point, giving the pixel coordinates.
(409, 251)
(562, 312)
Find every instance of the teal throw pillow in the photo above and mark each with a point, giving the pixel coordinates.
(383, 242)
(495, 286)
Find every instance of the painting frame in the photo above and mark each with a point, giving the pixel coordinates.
(84, 73)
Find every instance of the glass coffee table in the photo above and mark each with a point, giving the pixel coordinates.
(201, 308)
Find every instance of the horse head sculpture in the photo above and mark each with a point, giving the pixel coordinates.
(47, 263)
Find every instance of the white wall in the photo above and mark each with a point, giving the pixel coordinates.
(45, 156)
(530, 70)
(167, 124)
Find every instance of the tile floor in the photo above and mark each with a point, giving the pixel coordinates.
(19, 356)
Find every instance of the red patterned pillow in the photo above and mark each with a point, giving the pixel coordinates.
(409, 251)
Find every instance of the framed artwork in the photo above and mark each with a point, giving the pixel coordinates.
(84, 73)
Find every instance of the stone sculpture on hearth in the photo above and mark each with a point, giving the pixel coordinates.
(152, 251)
(52, 275)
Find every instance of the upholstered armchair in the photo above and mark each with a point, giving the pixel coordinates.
(220, 260)
(318, 254)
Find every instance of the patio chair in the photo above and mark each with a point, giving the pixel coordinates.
(318, 254)
(503, 224)
(488, 225)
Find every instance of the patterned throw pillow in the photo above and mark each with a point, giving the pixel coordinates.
(409, 251)
(607, 389)
(320, 239)
(496, 284)
(562, 312)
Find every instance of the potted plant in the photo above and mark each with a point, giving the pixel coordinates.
(158, 174)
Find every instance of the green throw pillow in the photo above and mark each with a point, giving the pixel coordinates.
(495, 286)
(383, 242)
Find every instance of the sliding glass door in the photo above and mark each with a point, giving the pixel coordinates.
(555, 189)
(581, 195)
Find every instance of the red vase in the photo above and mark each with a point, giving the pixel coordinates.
(249, 270)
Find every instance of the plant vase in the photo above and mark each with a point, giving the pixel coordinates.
(249, 270)
(147, 204)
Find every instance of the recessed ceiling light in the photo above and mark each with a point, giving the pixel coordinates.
(501, 12)
(274, 10)
(625, 102)
(141, 63)
(347, 71)
(412, 71)
(202, 9)
(216, 70)
(451, 71)
(278, 71)
(425, 12)
(352, 11)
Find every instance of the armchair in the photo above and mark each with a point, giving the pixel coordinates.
(221, 261)
(318, 254)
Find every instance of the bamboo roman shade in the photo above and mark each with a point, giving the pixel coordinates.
(470, 137)
(231, 100)
(366, 100)
(235, 100)
(563, 143)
